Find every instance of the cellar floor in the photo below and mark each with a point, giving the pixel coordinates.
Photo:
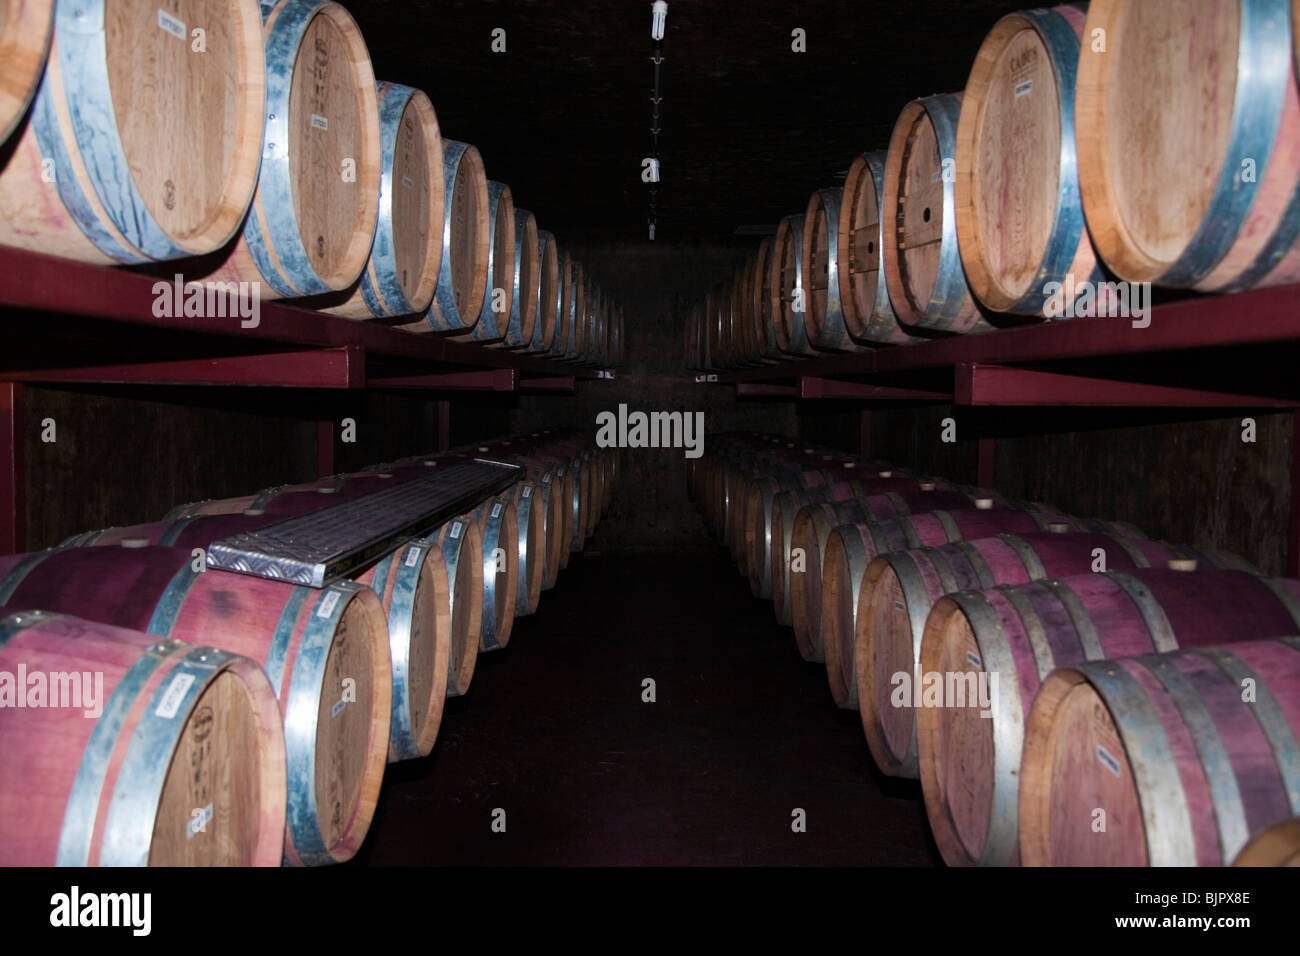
(554, 732)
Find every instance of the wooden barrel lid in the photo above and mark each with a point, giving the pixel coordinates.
(333, 121)
(1009, 154)
(548, 293)
(787, 287)
(760, 308)
(25, 29)
(417, 200)
(463, 274)
(864, 298)
(527, 279)
(886, 640)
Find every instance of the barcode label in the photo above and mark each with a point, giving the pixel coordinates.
(412, 557)
(171, 700)
(455, 529)
(319, 122)
(338, 708)
(973, 660)
(1023, 89)
(327, 604)
(528, 491)
(496, 510)
(173, 26)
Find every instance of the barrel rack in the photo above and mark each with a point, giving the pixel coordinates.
(1239, 351)
(98, 328)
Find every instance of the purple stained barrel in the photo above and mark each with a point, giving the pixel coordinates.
(970, 764)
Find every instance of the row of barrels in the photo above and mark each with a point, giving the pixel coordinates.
(1067, 690)
(1010, 200)
(155, 711)
(251, 144)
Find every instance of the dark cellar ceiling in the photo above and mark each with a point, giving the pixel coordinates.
(749, 128)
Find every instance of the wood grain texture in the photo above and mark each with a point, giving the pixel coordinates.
(25, 29)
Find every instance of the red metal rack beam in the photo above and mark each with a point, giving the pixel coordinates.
(978, 384)
(763, 390)
(554, 383)
(479, 380)
(317, 368)
(815, 387)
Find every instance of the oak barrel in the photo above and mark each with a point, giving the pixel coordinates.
(923, 270)
(1278, 845)
(527, 281)
(461, 544)
(548, 293)
(1203, 96)
(1187, 755)
(312, 223)
(463, 273)
(153, 149)
(789, 295)
(131, 735)
(402, 271)
(824, 278)
(494, 314)
(309, 641)
(412, 586)
(864, 295)
(1019, 215)
(971, 767)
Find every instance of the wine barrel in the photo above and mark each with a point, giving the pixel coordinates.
(923, 270)
(308, 640)
(900, 589)
(860, 253)
(548, 293)
(970, 765)
(1185, 764)
(314, 214)
(761, 305)
(573, 305)
(461, 544)
(530, 516)
(498, 526)
(176, 727)
(494, 313)
(1019, 216)
(463, 273)
(824, 279)
(1204, 194)
(527, 281)
(789, 297)
(850, 549)
(25, 29)
(402, 272)
(118, 163)
(1278, 845)
(412, 587)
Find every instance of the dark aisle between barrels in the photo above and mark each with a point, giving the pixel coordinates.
(556, 734)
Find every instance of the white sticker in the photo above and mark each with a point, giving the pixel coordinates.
(327, 604)
(496, 510)
(408, 182)
(528, 491)
(1023, 89)
(973, 660)
(455, 529)
(173, 26)
(171, 700)
(199, 823)
(1106, 760)
(338, 708)
(412, 557)
(319, 122)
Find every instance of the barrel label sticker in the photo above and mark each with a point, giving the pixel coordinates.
(973, 660)
(898, 606)
(198, 823)
(412, 557)
(338, 707)
(172, 25)
(319, 122)
(1105, 758)
(408, 182)
(496, 510)
(455, 529)
(171, 700)
(528, 491)
(1024, 89)
(327, 604)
